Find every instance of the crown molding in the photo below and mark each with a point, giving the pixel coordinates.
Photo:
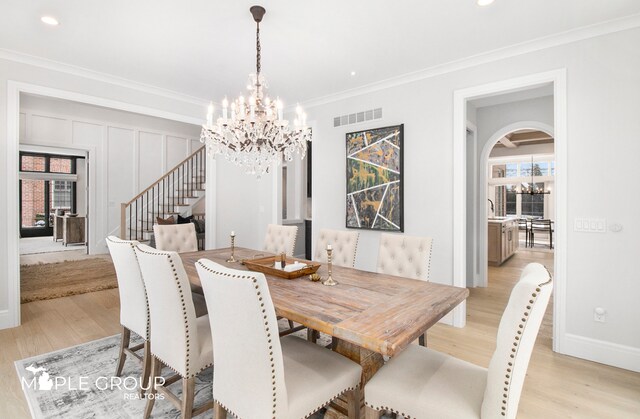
(562, 38)
(61, 67)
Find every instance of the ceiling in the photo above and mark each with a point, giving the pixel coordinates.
(206, 49)
(525, 137)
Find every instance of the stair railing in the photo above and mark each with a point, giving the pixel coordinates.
(163, 197)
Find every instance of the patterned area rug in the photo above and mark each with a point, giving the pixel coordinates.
(54, 280)
(78, 382)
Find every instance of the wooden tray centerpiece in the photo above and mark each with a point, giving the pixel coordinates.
(266, 266)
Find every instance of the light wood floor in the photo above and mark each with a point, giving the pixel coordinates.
(557, 386)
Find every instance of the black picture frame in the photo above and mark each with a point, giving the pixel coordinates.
(375, 179)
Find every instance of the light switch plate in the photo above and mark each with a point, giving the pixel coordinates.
(590, 225)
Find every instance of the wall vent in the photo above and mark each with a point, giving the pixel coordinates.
(357, 117)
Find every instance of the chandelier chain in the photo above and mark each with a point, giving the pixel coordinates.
(258, 48)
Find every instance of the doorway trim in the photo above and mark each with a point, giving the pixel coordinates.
(460, 97)
(11, 317)
(481, 251)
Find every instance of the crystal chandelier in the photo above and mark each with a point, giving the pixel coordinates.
(253, 133)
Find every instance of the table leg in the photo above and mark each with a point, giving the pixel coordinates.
(370, 361)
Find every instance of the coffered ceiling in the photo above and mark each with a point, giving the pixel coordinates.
(206, 49)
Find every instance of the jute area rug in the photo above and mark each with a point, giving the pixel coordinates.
(45, 281)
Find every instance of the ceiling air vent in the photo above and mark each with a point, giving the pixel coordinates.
(357, 117)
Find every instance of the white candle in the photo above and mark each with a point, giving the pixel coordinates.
(279, 105)
(252, 106)
(210, 114)
(328, 247)
(233, 234)
(225, 105)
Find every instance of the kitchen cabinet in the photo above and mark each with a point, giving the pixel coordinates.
(503, 240)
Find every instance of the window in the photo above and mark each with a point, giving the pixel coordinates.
(533, 205)
(506, 200)
(61, 194)
(60, 165)
(30, 163)
(504, 170)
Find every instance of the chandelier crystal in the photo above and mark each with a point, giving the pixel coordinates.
(253, 133)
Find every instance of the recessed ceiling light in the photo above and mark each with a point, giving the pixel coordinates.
(485, 2)
(49, 20)
(353, 73)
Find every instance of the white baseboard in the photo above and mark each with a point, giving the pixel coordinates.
(601, 351)
(6, 320)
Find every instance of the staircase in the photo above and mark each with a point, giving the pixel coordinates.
(173, 194)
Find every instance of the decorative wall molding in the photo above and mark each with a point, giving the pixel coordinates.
(98, 76)
(555, 40)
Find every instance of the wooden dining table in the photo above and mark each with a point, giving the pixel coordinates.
(370, 314)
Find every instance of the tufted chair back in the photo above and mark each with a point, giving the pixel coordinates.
(173, 318)
(246, 344)
(516, 336)
(407, 256)
(134, 311)
(280, 239)
(176, 237)
(344, 244)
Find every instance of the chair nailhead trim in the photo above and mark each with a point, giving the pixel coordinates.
(189, 373)
(266, 329)
(514, 350)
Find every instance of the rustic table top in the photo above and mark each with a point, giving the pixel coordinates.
(382, 313)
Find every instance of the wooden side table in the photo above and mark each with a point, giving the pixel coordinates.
(73, 230)
(58, 227)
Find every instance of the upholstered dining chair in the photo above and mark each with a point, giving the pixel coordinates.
(134, 311)
(343, 243)
(181, 238)
(179, 340)
(280, 239)
(178, 238)
(405, 256)
(423, 383)
(284, 378)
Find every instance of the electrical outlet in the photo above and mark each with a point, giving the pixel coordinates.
(599, 315)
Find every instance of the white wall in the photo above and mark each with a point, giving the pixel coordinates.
(245, 205)
(132, 150)
(603, 86)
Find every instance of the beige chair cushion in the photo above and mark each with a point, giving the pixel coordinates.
(134, 313)
(178, 339)
(176, 237)
(314, 375)
(421, 383)
(407, 256)
(343, 243)
(280, 239)
(258, 375)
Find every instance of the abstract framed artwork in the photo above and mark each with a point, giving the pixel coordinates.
(375, 198)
